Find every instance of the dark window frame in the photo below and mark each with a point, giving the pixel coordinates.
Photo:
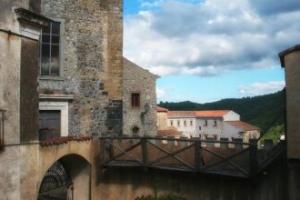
(135, 100)
(46, 127)
(205, 123)
(50, 50)
(215, 123)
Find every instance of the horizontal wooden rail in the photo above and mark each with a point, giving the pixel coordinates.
(184, 154)
(181, 139)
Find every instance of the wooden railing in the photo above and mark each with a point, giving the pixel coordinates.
(189, 155)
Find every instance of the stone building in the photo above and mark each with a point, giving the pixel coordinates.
(80, 80)
(290, 61)
(61, 86)
(139, 101)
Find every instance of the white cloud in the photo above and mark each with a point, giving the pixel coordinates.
(262, 88)
(161, 93)
(208, 38)
(150, 4)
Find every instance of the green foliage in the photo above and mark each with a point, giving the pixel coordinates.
(263, 111)
(274, 133)
(164, 197)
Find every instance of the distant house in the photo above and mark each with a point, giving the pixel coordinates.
(209, 125)
(240, 130)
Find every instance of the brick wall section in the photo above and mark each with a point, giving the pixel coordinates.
(91, 47)
(142, 81)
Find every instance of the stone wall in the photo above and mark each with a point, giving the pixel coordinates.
(291, 61)
(112, 15)
(138, 80)
(10, 47)
(91, 68)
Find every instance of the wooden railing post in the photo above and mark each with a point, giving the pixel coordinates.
(144, 152)
(198, 155)
(253, 158)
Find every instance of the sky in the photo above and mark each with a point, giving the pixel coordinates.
(207, 50)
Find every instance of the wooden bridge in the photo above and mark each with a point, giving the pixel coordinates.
(243, 160)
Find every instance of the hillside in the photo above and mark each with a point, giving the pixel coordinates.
(264, 111)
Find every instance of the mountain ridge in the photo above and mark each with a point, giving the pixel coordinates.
(264, 111)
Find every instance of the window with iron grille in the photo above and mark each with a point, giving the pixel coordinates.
(2, 112)
(135, 100)
(50, 51)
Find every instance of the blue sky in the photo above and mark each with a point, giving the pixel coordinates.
(213, 49)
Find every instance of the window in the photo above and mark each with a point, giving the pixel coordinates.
(1, 127)
(191, 123)
(215, 123)
(50, 40)
(178, 123)
(205, 123)
(135, 100)
(184, 123)
(200, 128)
(171, 122)
(49, 124)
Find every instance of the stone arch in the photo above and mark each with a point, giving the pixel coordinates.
(67, 176)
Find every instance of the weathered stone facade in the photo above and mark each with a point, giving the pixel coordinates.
(18, 95)
(90, 63)
(90, 48)
(143, 117)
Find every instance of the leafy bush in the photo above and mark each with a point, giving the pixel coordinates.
(274, 133)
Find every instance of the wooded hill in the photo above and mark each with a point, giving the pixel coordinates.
(264, 111)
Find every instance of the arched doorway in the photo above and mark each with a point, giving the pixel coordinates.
(67, 179)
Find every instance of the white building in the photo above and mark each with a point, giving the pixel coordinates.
(212, 125)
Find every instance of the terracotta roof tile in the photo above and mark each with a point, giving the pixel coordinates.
(243, 125)
(204, 113)
(161, 109)
(211, 113)
(181, 114)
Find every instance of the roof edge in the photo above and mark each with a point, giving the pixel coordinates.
(286, 52)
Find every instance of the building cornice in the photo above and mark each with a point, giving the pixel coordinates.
(286, 52)
(56, 97)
